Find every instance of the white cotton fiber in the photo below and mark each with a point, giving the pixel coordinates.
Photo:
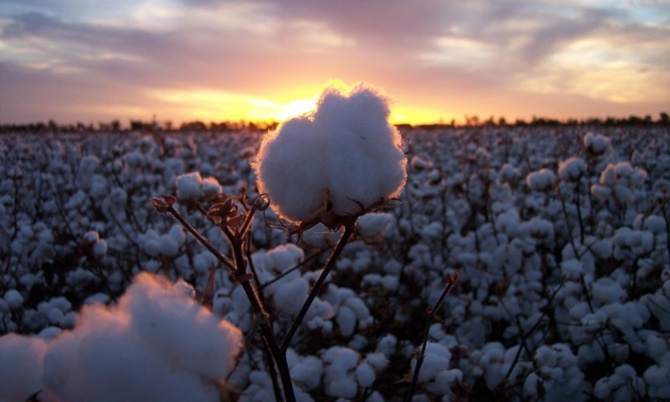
(192, 187)
(374, 226)
(289, 296)
(14, 299)
(155, 344)
(596, 144)
(166, 318)
(344, 157)
(541, 180)
(572, 169)
(21, 365)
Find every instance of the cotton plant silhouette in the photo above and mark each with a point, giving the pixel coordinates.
(329, 167)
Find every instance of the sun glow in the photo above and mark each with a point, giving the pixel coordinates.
(215, 105)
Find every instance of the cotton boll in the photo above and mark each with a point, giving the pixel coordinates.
(155, 344)
(91, 237)
(340, 358)
(21, 367)
(188, 186)
(509, 173)
(655, 224)
(192, 187)
(368, 165)
(290, 296)
(365, 375)
(50, 333)
(601, 193)
(159, 312)
(374, 226)
(572, 169)
(572, 269)
(343, 158)
(375, 396)
(99, 249)
(285, 256)
(596, 144)
(338, 379)
(104, 363)
(387, 345)
(346, 320)
(290, 169)
(342, 387)
(377, 360)
(657, 380)
(14, 299)
(541, 180)
(308, 372)
(436, 358)
(210, 188)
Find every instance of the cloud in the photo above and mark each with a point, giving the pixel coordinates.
(443, 56)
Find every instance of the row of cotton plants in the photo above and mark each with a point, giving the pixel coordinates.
(559, 237)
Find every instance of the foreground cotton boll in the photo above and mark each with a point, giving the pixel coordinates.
(344, 158)
(155, 344)
(21, 365)
(290, 170)
(164, 316)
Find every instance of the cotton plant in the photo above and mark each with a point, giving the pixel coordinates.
(139, 349)
(367, 170)
(603, 295)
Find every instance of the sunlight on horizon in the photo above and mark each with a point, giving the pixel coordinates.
(215, 105)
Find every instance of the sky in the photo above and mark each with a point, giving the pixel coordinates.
(214, 60)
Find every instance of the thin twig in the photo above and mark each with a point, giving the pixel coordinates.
(295, 267)
(222, 258)
(431, 314)
(348, 231)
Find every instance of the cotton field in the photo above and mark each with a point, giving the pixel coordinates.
(552, 244)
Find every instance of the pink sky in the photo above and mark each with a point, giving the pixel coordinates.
(77, 60)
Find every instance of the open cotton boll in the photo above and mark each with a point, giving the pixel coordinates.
(21, 366)
(103, 361)
(374, 226)
(192, 187)
(541, 180)
(342, 159)
(307, 372)
(188, 186)
(596, 144)
(14, 299)
(572, 168)
(289, 296)
(165, 317)
(366, 163)
(436, 359)
(290, 170)
(155, 344)
(339, 379)
(91, 236)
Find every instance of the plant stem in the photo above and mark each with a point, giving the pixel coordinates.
(222, 258)
(266, 323)
(431, 314)
(579, 213)
(348, 231)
